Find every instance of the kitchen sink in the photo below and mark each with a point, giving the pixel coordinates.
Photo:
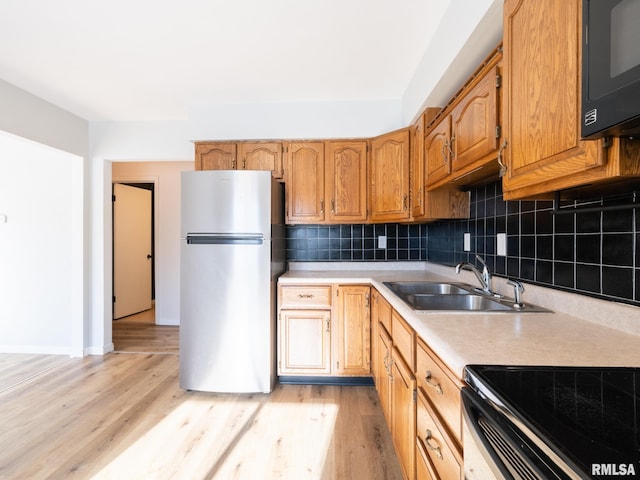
(411, 288)
(466, 301)
(441, 296)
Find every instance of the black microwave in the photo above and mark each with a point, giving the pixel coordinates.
(610, 68)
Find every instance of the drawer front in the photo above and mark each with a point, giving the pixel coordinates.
(434, 441)
(404, 338)
(305, 296)
(442, 391)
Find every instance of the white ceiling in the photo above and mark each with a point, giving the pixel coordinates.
(126, 60)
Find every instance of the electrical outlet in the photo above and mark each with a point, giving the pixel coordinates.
(382, 241)
(467, 242)
(501, 244)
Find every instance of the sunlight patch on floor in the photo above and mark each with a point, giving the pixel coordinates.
(227, 437)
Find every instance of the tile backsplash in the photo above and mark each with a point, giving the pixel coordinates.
(596, 253)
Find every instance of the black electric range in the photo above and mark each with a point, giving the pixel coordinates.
(586, 418)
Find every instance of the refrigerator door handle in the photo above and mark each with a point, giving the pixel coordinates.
(225, 238)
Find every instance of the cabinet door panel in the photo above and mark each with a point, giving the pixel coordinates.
(542, 94)
(346, 181)
(417, 169)
(353, 336)
(305, 342)
(305, 182)
(437, 151)
(389, 177)
(474, 122)
(215, 156)
(403, 408)
(261, 156)
(383, 378)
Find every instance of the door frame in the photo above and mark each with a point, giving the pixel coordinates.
(135, 181)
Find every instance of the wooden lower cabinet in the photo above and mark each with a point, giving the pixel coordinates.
(317, 337)
(305, 342)
(403, 413)
(436, 449)
(383, 371)
(352, 331)
(419, 396)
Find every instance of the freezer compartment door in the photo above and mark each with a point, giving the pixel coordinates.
(226, 201)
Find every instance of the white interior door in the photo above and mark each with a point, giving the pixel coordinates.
(131, 250)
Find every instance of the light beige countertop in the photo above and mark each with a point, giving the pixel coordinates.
(580, 330)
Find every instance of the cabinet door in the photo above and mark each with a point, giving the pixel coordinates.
(417, 168)
(403, 414)
(437, 151)
(346, 181)
(305, 182)
(215, 156)
(389, 177)
(352, 331)
(542, 58)
(474, 122)
(383, 378)
(304, 342)
(261, 156)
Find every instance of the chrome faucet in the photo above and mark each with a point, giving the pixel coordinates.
(484, 278)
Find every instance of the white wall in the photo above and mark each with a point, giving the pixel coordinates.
(41, 231)
(467, 33)
(27, 116)
(166, 177)
(122, 142)
(293, 120)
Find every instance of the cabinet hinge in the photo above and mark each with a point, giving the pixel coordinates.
(415, 396)
(114, 299)
(113, 198)
(498, 81)
(498, 131)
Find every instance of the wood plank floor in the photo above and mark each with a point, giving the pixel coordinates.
(123, 416)
(139, 334)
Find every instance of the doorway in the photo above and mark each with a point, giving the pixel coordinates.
(133, 249)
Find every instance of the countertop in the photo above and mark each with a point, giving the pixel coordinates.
(579, 331)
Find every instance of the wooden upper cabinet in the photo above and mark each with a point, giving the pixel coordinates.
(417, 168)
(305, 201)
(461, 146)
(240, 156)
(346, 181)
(215, 156)
(437, 152)
(389, 177)
(474, 122)
(542, 58)
(261, 156)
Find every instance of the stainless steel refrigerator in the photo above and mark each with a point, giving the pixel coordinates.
(232, 252)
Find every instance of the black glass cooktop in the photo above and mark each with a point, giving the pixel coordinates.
(588, 415)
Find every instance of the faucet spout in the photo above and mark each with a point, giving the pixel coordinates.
(483, 277)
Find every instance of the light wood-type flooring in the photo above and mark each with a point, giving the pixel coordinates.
(123, 416)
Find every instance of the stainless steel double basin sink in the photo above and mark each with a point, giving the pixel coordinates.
(427, 296)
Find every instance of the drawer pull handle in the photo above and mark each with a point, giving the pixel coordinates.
(428, 381)
(436, 449)
(305, 295)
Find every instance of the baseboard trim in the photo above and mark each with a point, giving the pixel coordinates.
(310, 380)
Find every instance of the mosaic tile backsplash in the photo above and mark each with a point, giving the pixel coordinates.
(592, 252)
